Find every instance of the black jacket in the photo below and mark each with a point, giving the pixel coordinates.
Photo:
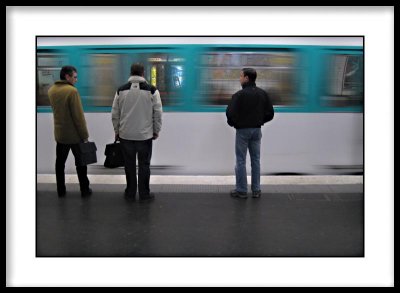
(250, 107)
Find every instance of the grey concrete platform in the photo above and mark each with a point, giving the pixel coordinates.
(321, 220)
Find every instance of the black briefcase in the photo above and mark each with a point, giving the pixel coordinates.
(87, 153)
(114, 158)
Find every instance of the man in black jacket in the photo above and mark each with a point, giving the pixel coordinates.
(248, 110)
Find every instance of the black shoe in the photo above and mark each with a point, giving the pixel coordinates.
(147, 197)
(61, 193)
(257, 194)
(129, 196)
(86, 192)
(237, 194)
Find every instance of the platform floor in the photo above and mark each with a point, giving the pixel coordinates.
(201, 220)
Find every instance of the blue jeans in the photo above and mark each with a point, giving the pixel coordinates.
(247, 138)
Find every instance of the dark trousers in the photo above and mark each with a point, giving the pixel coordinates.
(143, 149)
(62, 152)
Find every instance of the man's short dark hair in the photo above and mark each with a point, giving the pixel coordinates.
(251, 73)
(137, 69)
(67, 70)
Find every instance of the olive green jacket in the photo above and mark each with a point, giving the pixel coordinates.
(69, 120)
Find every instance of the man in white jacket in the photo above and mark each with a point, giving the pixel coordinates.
(136, 117)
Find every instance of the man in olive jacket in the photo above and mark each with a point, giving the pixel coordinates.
(69, 127)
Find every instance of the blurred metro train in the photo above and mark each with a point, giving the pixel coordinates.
(316, 85)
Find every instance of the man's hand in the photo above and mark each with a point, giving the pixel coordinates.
(155, 136)
(116, 137)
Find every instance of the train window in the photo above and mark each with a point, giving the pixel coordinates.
(167, 73)
(104, 73)
(48, 72)
(109, 71)
(344, 81)
(278, 74)
(99, 78)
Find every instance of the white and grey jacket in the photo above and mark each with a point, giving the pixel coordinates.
(137, 110)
